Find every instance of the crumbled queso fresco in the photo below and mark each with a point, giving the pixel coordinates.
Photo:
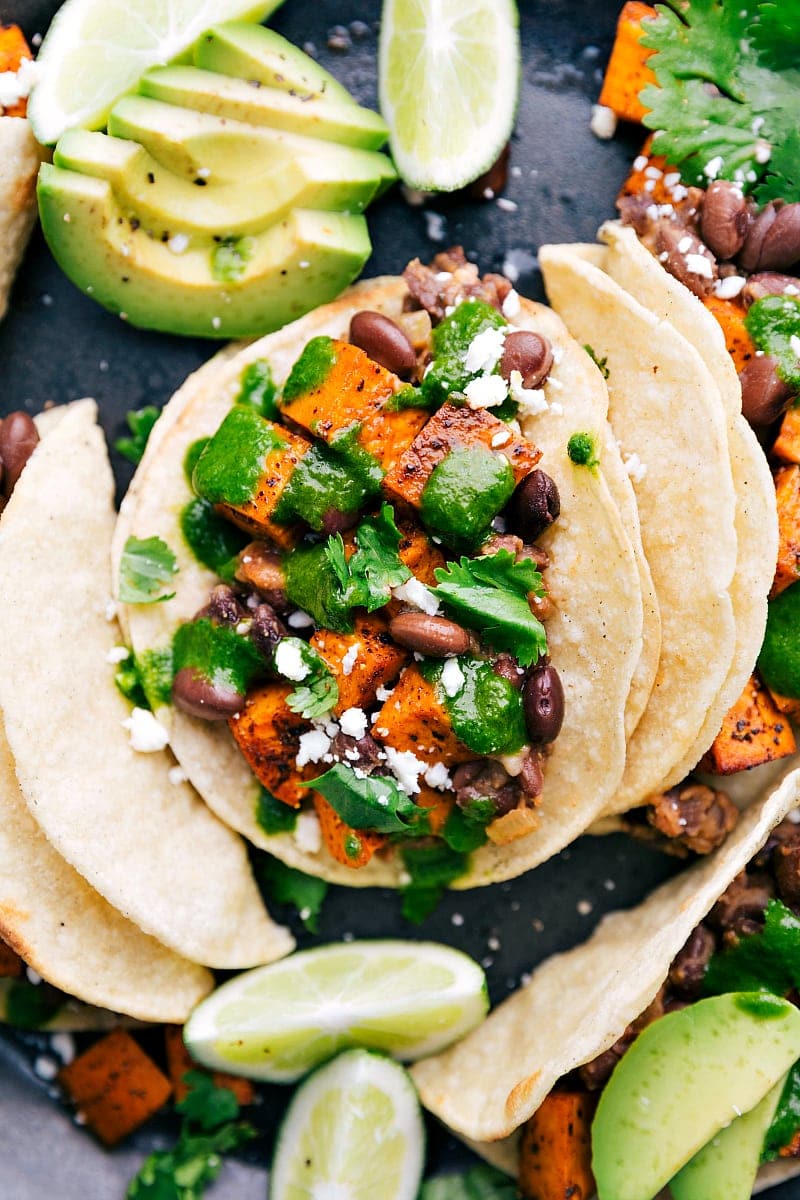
(16, 85)
(147, 734)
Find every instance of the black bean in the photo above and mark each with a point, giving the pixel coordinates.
(385, 342)
(266, 630)
(769, 283)
(764, 394)
(509, 669)
(674, 245)
(336, 521)
(750, 253)
(531, 777)
(543, 703)
(689, 965)
(780, 246)
(435, 636)
(261, 568)
(529, 354)
(224, 606)
(786, 864)
(724, 220)
(534, 505)
(199, 697)
(18, 440)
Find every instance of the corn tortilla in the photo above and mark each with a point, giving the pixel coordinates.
(20, 156)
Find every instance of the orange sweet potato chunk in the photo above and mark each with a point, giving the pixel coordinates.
(13, 49)
(378, 661)
(179, 1061)
(350, 847)
(555, 1157)
(787, 443)
(627, 71)
(438, 804)
(116, 1086)
(255, 515)
(268, 734)
(787, 494)
(730, 315)
(754, 731)
(419, 553)
(788, 705)
(413, 719)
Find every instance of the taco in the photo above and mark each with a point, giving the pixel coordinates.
(522, 795)
(20, 156)
(523, 1087)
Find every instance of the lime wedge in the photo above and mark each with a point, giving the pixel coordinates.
(95, 51)
(409, 999)
(353, 1132)
(448, 73)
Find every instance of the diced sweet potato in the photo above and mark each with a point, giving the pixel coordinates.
(350, 847)
(555, 1155)
(438, 804)
(792, 1147)
(419, 553)
(787, 443)
(115, 1085)
(730, 315)
(268, 734)
(387, 435)
(647, 175)
(179, 1061)
(449, 429)
(627, 71)
(413, 719)
(512, 825)
(788, 705)
(13, 49)
(787, 494)
(753, 732)
(11, 965)
(378, 661)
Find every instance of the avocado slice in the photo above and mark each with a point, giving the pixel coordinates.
(213, 289)
(726, 1168)
(249, 51)
(333, 178)
(210, 92)
(683, 1080)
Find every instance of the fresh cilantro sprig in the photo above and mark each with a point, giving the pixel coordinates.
(600, 363)
(728, 88)
(288, 885)
(786, 1120)
(318, 692)
(774, 325)
(366, 579)
(210, 1129)
(490, 594)
(431, 870)
(146, 566)
(140, 423)
(764, 961)
(373, 802)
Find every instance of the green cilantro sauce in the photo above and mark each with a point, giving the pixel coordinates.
(581, 450)
(761, 1004)
(218, 653)
(324, 480)
(773, 323)
(228, 470)
(486, 712)
(213, 541)
(154, 668)
(259, 390)
(313, 586)
(192, 455)
(311, 369)
(779, 661)
(465, 492)
(452, 338)
(273, 815)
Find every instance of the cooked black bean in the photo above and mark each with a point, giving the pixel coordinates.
(266, 630)
(764, 394)
(385, 342)
(261, 568)
(199, 697)
(435, 636)
(18, 440)
(689, 965)
(362, 754)
(724, 219)
(486, 779)
(686, 258)
(528, 353)
(534, 505)
(769, 283)
(543, 702)
(224, 606)
(786, 862)
(694, 816)
(508, 668)
(745, 898)
(779, 247)
(336, 521)
(531, 777)
(749, 256)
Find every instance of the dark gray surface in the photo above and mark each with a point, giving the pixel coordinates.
(57, 345)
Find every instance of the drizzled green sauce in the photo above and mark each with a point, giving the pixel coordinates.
(465, 492)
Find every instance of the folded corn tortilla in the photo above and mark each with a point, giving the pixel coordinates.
(20, 156)
(668, 415)
(595, 579)
(147, 845)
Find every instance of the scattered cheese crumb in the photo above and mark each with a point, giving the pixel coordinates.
(794, 343)
(314, 745)
(763, 153)
(635, 467)
(729, 287)
(307, 833)
(436, 226)
(16, 85)
(511, 304)
(437, 776)
(713, 167)
(33, 976)
(64, 1046)
(513, 763)
(406, 768)
(383, 694)
(45, 1068)
(604, 124)
(299, 620)
(457, 919)
(289, 662)
(640, 162)
(501, 438)
(353, 722)
(485, 350)
(111, 610)
(487, 391)
(117, 654)
(698, 264)
(452, 677)
(532, 401)
(505, 205)
(584, 907)
(176, 776)
(413, 591)
(684, 244)
(349, 659)
(147, 734)
(178, 244)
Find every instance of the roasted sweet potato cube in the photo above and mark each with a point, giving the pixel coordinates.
(787, 494)
(753, 732)
(244, 470)
(11, 965)
(13, 49)
(787, 443)
(419, 553)
(413, 719)
(788, 705)
(453, 428)
(115, 1086)
(388, 434)
(555, 1154)
(361, 661)
(438, 804)
(268, 734)
(350, 847)
(179, 1061)
(730, 315)
(627, 71)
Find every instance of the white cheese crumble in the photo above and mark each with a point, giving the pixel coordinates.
(383, 694)
(729, 287)
(794, 343)
(178, 243)
(698, 264)
(16, 85)
(64, 1046)
(147, 734)
(117, 654)
(487, 391)
(485, 351)
(33, 976)
(413, 591)
(635, 467)
(684, 244)
(314, 745)
(763, 153)
(513, 763)
(110, 611)
(511, 304)
(713, 167)
(604, 122)
(452, 677)
(531, 401)
(501, 438)
(438, 776)
(289, 662)
(436, 226)
(406, 768)
(307, 833)
(353, 722)
(299, 620)
(640, 162)
(45, 1068)
(349, 659)
(176, 776)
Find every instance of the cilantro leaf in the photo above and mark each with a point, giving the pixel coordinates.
(373, 802)
(146, 679)
(140, 423)
(205, 1104)
(287, 885)
(465, 828)
(764, 961)
(317, 694)
(774, 325)
(375, 568)
(727, 86)
(273, 815)
(147, 564)
(786, 1120)
(432, 869)
(782, 181)
(600, 363)
(129, 683)
(478, 1183)
(490, 594)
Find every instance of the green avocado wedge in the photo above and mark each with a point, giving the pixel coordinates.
(320, 176)
(253, 52)
(686, 1077)
(726, 1168)
(301, 262)
(211, 92)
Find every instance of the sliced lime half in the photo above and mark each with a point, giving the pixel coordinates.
(353, 1132)
(409, 999)
(448, 74)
